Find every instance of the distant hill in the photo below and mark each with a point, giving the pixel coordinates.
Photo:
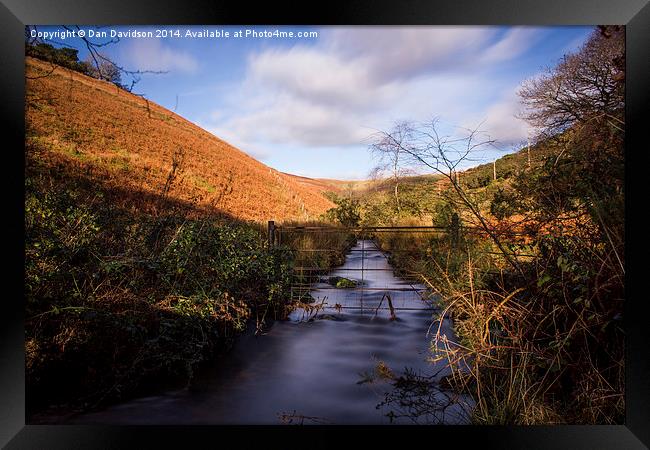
(474, 177)
(320, 184)
(507, 165)
(420, 196)
(106, 132)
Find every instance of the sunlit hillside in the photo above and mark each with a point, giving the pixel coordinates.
(122, 139)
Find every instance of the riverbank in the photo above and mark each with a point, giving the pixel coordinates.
(339, 366)
(533, 341)
(129, 293)
(126, 291)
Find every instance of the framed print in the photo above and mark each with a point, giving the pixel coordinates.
(276, 223)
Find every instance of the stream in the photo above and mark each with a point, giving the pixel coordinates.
(314, 371)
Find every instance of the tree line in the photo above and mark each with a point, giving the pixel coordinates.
(69, 58)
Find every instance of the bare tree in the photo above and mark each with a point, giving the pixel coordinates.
(585, 93)
(584, 85)
(422, 144)
(391, 157)
(98, 58)
(97, 64)
(106, 70)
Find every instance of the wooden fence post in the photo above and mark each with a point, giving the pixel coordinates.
(454, 230)
(271, 233)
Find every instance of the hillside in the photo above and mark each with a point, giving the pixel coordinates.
(509, 164)
(474, 177)
(116, 136)
(422, 196)
(320, 184)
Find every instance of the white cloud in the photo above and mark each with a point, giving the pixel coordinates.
(356, 79)
(288, 119)
(151, 54)
(500, 121)
(251, 148)
(393, 53)
(309, 73)
(515, 42)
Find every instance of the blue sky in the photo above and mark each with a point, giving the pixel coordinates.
(308, 106)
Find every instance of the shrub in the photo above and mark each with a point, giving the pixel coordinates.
(119, 301)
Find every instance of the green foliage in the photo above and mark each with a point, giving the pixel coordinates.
(503, 204)
(418, 198)
(443, 212)
(342, 282)
(347, 211)
(118, 300)
(59, 238)
(216, 258)
(65, 56)
(377, 211)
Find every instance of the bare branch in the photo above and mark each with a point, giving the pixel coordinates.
(423, 145)
(583, 85)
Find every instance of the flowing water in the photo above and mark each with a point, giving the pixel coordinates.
(312, 371)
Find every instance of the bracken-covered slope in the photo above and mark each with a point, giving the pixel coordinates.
(89, 123)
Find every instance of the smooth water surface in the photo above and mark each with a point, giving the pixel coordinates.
(309, 371)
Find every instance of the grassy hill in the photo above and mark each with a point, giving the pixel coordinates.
(508, 165)
(121, 138)
(421, 196)
(320, 184)
(474, 177)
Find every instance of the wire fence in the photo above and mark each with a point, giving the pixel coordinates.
(365, 270)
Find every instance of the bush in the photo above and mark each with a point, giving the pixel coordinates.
(503, 204)
(65, 56)
(347, 212)
(119, 300)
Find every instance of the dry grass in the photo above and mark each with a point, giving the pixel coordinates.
(546, 348)
(93, 124)
(527, 359)
(321, 184)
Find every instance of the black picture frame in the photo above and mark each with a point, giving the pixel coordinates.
(15, 14)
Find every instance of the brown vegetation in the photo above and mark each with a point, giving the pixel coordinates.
(138, 265)
(532, 268)
(74, 119)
